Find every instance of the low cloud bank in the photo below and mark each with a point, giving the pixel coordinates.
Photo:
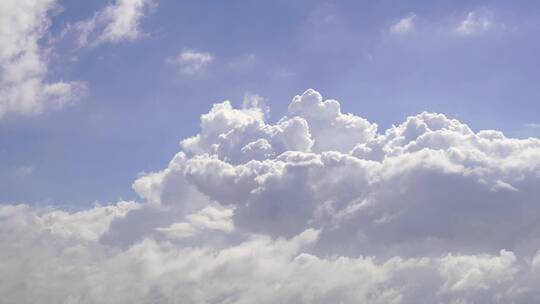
(318, 207)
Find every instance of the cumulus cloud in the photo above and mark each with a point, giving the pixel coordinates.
(191, 62)
(403, 25)
(317, 207)
(24, 88)
(117, 22)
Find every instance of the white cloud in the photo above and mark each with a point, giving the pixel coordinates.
(191, 62)
(48, 261)
(404, 25)
(317, 207)
(117, 22)
(474, 23)
(331, 129)
(24, 89)
(208, 218)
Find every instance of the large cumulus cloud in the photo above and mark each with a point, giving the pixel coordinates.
(317, 207)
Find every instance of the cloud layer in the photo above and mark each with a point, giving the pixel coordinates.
(317, 207)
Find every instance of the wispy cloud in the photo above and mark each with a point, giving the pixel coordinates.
(24, 61)
(118, 21)
(474, 23)
(191, 61)
(24, 171)
(404, 25)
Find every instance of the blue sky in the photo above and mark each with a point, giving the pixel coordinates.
(157, 151)
(476, 61)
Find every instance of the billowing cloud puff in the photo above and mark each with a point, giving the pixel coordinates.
(241, 135)
(331, 129)
(315, 208)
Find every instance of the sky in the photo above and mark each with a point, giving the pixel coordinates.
(384, 60)
(284, 151)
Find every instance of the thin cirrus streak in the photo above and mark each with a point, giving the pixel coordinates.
(318, 207)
